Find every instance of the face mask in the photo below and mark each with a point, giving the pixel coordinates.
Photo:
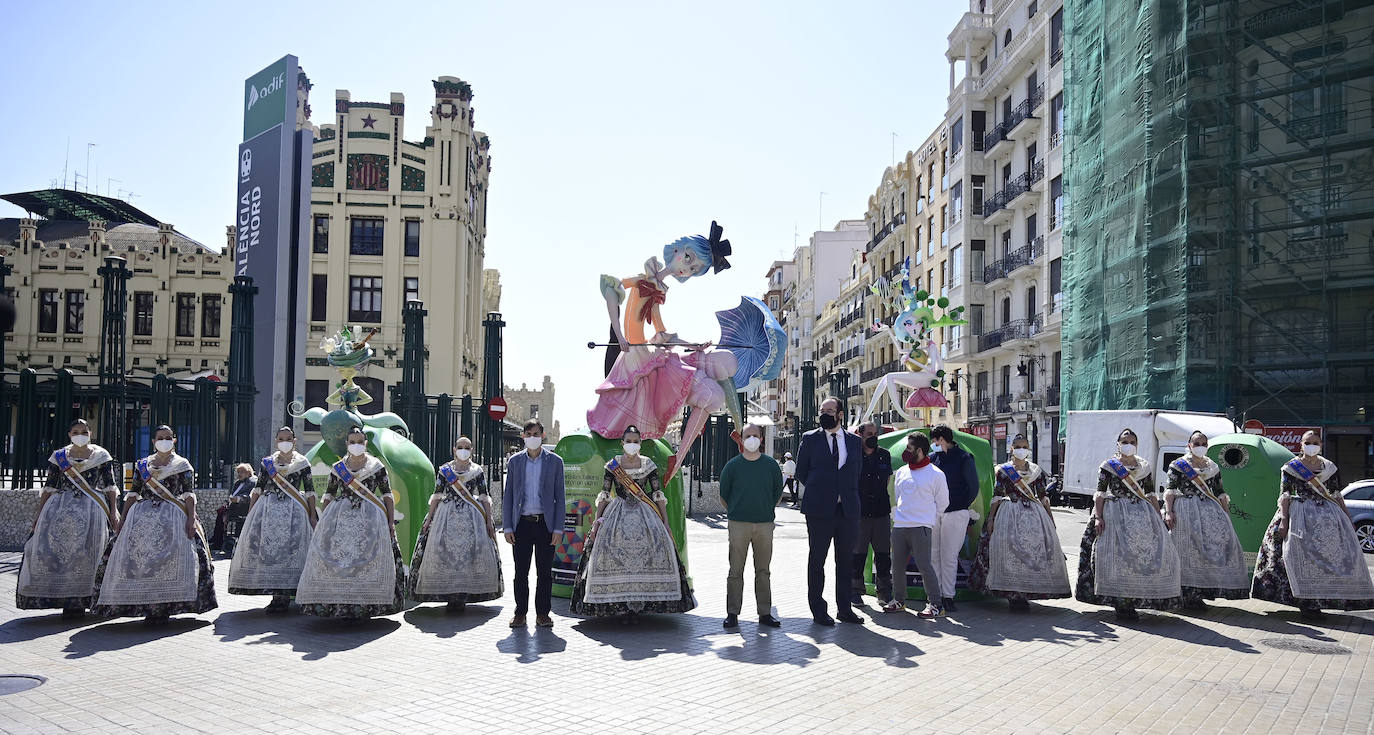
(751, 443)
(1021, 452)
(936, 448)
(285, 447)
(357, 450)
(1311, 450)
(534, 442)
(81, 440)
(828, 422)
(463, 455)
(1127, 450)
(164, 445)
(910, 458)
(871, 442)
(631, 448)
(1198, 452)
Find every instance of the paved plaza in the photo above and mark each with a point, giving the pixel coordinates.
(1242, 666)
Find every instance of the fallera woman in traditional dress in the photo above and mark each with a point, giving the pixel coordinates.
(1310, 558)
(1019, 558)
(76, 512)
(353, 569)
(1127, 559)
(158, 563)
(1197, 512)
(455, 558)
(630, 563)
(276, 533)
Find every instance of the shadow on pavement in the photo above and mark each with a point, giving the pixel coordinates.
(865, 640)
(989, 624)
(40, 625)
(314, 637)
(438, 621)
(651, 636)
(531, 644)
(127, 634)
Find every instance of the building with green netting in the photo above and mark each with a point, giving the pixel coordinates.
(1219, 176)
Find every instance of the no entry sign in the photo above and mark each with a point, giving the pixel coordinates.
(496, 408)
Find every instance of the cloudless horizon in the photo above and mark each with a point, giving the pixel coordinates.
(615, 128)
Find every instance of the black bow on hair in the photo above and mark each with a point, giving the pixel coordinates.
(719, 248)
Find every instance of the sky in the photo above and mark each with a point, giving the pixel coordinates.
(615, 128)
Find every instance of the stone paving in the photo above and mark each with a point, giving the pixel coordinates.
(1062, 667)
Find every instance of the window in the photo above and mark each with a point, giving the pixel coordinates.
(975, 320)
(976, 196)
(979, 125)
(1056, 203)
(210, 314)
(983, 65)
(956, 137)
(534, 410)
(1032, 8)
(1056, 119)
(944, 175)
(1056, 372)
(944, 230)
(980, 386)
(930, 183)
(977, 259)
(1006, 383)
(1056, 284)
(1032, 228)
(47, 311)
(186, 315)
(956, 266)
(1032, 155)
(315, 393)
(365, 299)
(1030, 376)
(1361, 493)
(412, 238)
(1056, 36)
(1006, 38)
(956, 198)
(1032, 307)
(944, 278)
(1006, 110)
(319, 298)
(143, 313)
(76, 312)
(365, 237)
(412, 289)
(1006, 309)
(321, 233)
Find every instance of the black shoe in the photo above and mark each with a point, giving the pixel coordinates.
(731, 621)
(823, 619)
(948, 605)
(856, 599)
(849, 617)
(456, 608)
(769, 621)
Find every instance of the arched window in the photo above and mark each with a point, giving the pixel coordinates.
(1006, 309)
(1006, 39)
(1032, 307)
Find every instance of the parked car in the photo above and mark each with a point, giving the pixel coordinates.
(1359, 498)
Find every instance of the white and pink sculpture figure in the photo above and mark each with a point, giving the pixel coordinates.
(918, 356)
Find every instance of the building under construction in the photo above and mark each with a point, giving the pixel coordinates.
(1219, 168)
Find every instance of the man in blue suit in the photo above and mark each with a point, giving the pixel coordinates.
(829, 461)
(532, 519)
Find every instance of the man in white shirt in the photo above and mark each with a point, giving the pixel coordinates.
(789, 478)
(922, 495)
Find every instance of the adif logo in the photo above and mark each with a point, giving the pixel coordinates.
(267, 90)
(245, 164)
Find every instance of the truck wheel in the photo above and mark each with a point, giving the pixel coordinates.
(1364, 533)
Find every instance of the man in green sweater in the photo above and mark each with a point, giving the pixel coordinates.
(750, 487)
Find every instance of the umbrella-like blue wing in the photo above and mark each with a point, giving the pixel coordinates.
(753, 334)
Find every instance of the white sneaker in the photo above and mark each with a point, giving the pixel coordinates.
(931, 612)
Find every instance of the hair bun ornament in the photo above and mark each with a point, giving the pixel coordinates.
(719, 248)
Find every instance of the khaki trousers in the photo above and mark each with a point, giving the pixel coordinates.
(742, 536)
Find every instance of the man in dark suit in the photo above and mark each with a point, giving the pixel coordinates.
(532, 506)
(828, 464)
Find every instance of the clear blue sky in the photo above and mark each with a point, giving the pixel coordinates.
(615, 127)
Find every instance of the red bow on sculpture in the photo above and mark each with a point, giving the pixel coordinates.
(652, 295)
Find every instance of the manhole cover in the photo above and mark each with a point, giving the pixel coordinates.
(1306, 646)
(15, 683)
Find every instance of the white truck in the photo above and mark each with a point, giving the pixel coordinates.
(1163, 437)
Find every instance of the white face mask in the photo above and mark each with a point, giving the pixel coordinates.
(534, 442)
(1311, 450)
(463, 455)
(1021, 452)
(1127, 450)
(357, 450)
(1198, 452)
(81, 440)
(751, 443)
(285, 447)
(164, 445)
(631, 448)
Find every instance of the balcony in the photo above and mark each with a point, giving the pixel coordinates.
(877, 372)
(1018, 258)
(1019, 192)
(1331, 122)
(888, 229)
(1037, 99)
(974, 31)
(980, 407)
(1016, 329)
(1004, 403)
(995, 141)
(1052, 396)
(849, 318)
(1022, 124)
(966, 86)
(1037, 175)
(1014, 56)
(855, 390)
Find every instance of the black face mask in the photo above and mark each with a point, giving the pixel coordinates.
(871, 442)
(828, 422)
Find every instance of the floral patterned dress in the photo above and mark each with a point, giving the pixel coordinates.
(1134, 562)
(455, 559)
(62, 554)
(1022, 543)
(1319, 564)
(353, 568)
(151, 568)
(276, 533)
(1212, 561)
(630, 564)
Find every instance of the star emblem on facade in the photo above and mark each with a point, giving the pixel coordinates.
(370, 121)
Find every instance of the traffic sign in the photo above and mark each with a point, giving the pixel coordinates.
(1253, 426)
(496, 408)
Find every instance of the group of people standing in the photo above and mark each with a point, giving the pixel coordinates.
(339, 557)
